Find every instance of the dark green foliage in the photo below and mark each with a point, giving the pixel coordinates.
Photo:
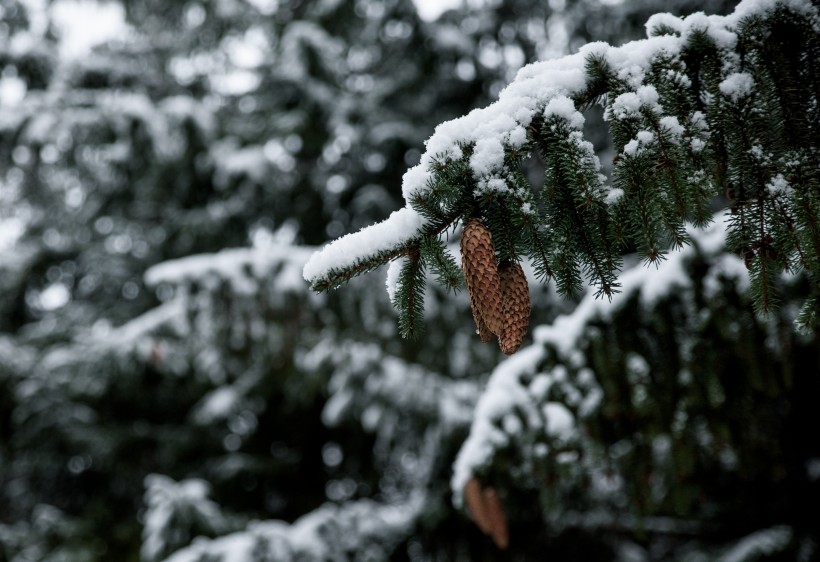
(730, 114)
(436, 256)
(226, 374)
(688, 414)
(409, 296)
(576, 213)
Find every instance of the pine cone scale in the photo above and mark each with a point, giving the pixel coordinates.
(481, 327)
(516, 307)
(481, 275)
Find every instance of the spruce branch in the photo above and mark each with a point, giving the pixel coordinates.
(808, 316)
(336, 277)
(441, 263)
(703, 106)
(762, 270)
(410, 294)
(789, 237)
(528, 221)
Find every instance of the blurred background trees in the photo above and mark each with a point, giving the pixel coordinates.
(166, 374)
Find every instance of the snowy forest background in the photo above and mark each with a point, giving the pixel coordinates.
(171, 389)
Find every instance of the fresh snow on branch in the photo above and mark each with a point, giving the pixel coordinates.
(400, 227)
(379, 385)
(323, 534)
(759, 544)
(490, 131)
(243, 267)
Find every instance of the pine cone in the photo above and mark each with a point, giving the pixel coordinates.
(485, 507)
(474, 498)
(498, 520)
(481, 276)
(481, 327)
(516, 307)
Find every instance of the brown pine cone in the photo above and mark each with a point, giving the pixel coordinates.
(481, 276)
(481, 327)
(474, 499)
(497, 517)
(516, 307)
(486, 509)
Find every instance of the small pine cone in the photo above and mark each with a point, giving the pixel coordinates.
(516, 306)
(481, 275)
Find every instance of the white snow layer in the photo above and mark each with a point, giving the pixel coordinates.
(759, 543)
(165, 499)
(243, 267)
(737, 86)
(538, 87)
(325, 533)
(400, 226)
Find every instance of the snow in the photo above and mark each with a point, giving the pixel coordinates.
(759, 543)
(54, 296)
(11, 229)
(657, 21)
(487, 156)
(518, 136)
(748, 8)
(671, 124)
(728, 267)
(325, 533)
(166, 498)
(778, 185)
(737, 86)
(386, 380)
(399, 228)
(629, 104)
(128, 334)
(496, 185)
(645, 137)
(719, 28)
(83, 24)
(430, 10)
(613, 196)
(12, 90)
(251, 161)
(503, 393)
(563, 107)
(632, 148)
(392, 280)
(242, 267)
(560, 421)
(217, 404)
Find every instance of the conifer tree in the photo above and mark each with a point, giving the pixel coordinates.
(618, 419)
(204, 127)
(171, 389)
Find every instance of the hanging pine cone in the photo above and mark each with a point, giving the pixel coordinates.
(474, 499)
(481, 276)
(487, 511)
(481, 327)
(516, 306)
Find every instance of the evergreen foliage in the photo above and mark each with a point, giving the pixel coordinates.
(599, 418)
(701, 108)
(171, 389)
